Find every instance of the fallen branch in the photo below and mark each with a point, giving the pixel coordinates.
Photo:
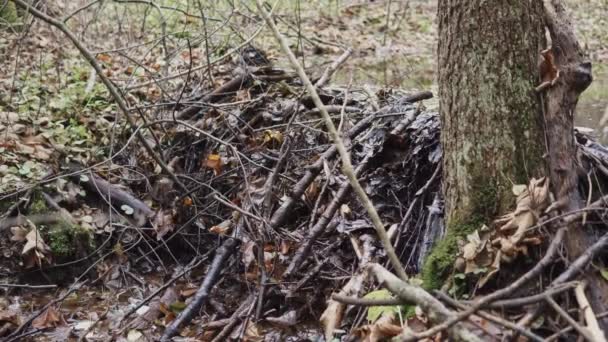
(115, 196)
(432, 307)
(221, 255)
(592, 325)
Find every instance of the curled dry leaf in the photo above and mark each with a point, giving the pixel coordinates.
(35, 250)
(383, 329)
(486, 248)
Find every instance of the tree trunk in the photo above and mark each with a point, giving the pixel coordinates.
(492, 127)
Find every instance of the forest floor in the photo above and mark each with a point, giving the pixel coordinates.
(99, 244)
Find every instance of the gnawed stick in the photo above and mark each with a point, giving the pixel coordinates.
(222, 254)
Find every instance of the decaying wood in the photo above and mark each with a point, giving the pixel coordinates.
(115, 196)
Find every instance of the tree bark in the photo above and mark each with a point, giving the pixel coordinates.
(492, 127)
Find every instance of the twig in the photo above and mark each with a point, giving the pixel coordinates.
(234, 319)
(592, 325)
(545, 261)
(27, 286)
(523, 301)
(101, 318)
(282, 213)
(582, 330)
(225, 89)
(221, 255)
(159, 290)
(15, 335)
(316, 231)
(333, 67)
(572, 270)
(495, 319)
(200, 67)
(569, 328)
(347, 167)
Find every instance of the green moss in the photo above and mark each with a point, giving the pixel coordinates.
(8, 13)
(70, 241)
(38, 204)
(439, 263)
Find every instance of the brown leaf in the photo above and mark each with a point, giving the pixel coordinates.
(381, 330)
(35, 248)
(50, 318)
(104, 57)
(9, 316)
(214, 162)
(548, 69)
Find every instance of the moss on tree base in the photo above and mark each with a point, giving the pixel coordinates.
(440, 262)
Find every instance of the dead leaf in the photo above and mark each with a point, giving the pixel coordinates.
(50, 318)
(383, 329)
(222, 228)
(9, 316)
(272, 138)
(35, 250)
(104, 57)
(214, 162)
